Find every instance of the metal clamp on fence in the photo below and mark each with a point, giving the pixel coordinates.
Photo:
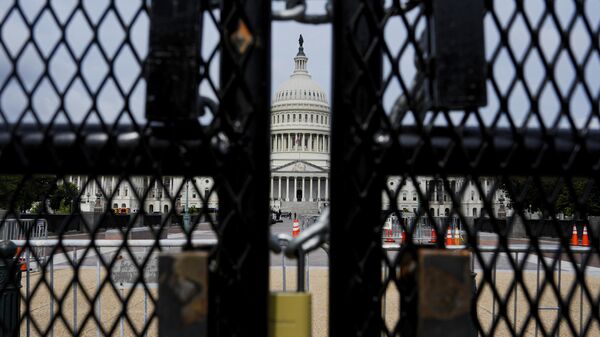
(296, 10)
(10, 282)
(312, 238)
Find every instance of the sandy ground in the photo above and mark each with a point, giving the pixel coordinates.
(110, 306)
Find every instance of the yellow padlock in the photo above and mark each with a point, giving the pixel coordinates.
(290, 313)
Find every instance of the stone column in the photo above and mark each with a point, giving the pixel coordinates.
(294, 190)
(311, 189)
(271, 193)
(287, 190)
(318, 188)
(279, 187)
(326, 188)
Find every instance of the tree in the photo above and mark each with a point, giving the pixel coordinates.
(64, 197)
(18, 193)
(583, 193)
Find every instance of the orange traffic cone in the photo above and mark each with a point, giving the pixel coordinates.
(449, 239)
(295, 228)
(585, 240)
(574, 238)
(433, 235)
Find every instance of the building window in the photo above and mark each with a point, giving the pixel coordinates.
(414, 196)
(126, 191)
(123, 206)
(151, 208)
(472, 195)
(404, 196)
(474, 211)
(118, 191)
(206, 193)
(115, 205)
(194, 195)
(166, 208)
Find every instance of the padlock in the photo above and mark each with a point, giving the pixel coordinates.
(290, 313)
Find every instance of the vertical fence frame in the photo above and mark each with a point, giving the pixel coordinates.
(239, 285)
(355, 257)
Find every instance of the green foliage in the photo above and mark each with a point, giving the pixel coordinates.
(64, 198)
(21, 194)
(582, 192)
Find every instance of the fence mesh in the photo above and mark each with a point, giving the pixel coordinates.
(79, 152)
(518, 172)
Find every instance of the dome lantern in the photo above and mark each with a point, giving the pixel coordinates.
(300, 86)
(300, 60)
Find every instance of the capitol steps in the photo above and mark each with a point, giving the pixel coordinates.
(300, 208)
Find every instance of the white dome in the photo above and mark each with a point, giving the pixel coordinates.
(300, 86)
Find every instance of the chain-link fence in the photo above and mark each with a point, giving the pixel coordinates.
(481, 111)
(96, 142)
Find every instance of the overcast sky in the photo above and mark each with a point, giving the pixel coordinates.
(110, 104)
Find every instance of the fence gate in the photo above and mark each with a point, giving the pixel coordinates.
(495, 98)
(75, 78)
(484, 109)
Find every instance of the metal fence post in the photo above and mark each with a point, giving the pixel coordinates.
(10, 282)
(239, 279)
(355, 274)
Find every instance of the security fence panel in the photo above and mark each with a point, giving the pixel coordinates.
(131, 128)
(479, 119)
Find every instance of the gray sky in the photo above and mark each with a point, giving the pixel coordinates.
(284, 42)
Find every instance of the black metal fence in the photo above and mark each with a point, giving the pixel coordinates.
(74, 79)
(500, 89)
(472, 89)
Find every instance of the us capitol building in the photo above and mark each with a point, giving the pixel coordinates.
(300, 165)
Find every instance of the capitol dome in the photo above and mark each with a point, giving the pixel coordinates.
(300, 142)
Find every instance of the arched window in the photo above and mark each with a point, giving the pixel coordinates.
(474, 211)
(115, 205)
(404, 196)
(414, 195)
(472, 195)
(166, 208)
(151, 209)
(447, 212)
(294, 118)
(123, 206)
(288, 118)
(126, 191)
